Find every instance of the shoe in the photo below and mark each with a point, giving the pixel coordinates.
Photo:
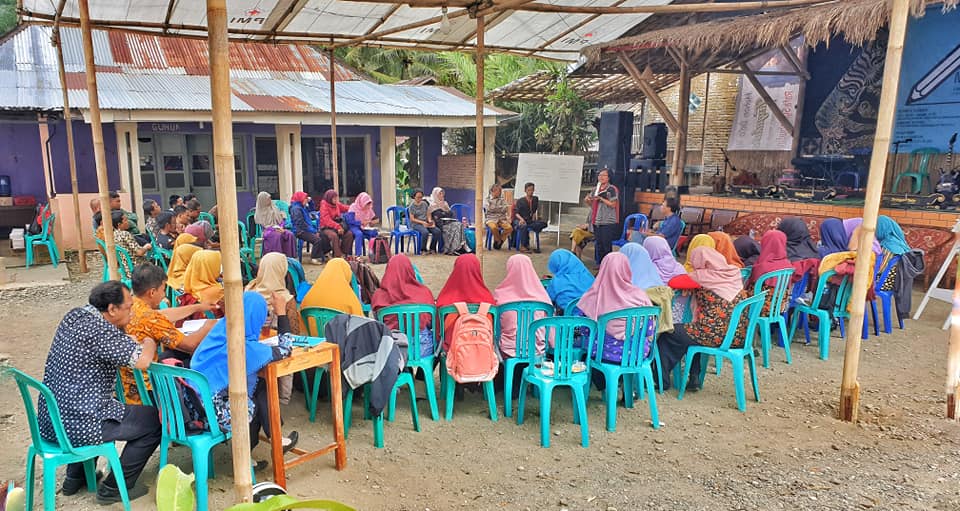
(260, 466)
(524, 250)
(316, 261)
(290, 441)
(536, 251)
(497, 245)
(694, 386)
(71, 485)
(107, 495)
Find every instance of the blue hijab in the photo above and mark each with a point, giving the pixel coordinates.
(644, 272)
(570, 277)
(210, 358)
(833, 237)
(891, 236)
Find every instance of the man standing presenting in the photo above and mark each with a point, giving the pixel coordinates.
(527, 217)
(604, 205)
(81, 370)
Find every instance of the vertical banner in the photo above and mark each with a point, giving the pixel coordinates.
(755, 128)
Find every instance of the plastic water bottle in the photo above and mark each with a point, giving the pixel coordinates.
(464, 220)
(753, 234)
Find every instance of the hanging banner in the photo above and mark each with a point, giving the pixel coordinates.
(755, 128)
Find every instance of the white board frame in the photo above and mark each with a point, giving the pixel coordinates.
(557, 177)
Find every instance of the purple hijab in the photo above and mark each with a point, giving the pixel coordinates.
(850, 224)
(662, 257)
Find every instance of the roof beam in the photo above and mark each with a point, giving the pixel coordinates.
(649, 92)
(293, 8)
(762, 91)
(794, 61)
(670, 8)
(756, 73)
(565, 33)
(168, 15)
(383, 19)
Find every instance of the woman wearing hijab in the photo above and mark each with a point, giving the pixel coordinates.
(361, 219)
(399, 286)
(202, 231)
(892, 243)
(721, 289)
(851, 227)
(662, 257)
(521, 284)
(724, 245)
(454, 238)
(644, 272)
(201, 281)
(700, 240)
(333, 290)
(833, 237)
(748, 249)
(773, 256)
(799, 244)
(465, 284)
(272, 221)
(332, 224)
(570, 278)
(267, 214)
(182, 253)
(210, 358)
(613, 290)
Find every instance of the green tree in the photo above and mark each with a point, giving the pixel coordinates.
(8, 15)
(567, 127)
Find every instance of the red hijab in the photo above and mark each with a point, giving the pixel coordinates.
(465, 284)
(773, 255)
(399, 286)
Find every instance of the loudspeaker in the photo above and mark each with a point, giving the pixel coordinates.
(616, 134)
(655, 141)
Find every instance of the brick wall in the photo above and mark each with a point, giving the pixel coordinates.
(457, 172)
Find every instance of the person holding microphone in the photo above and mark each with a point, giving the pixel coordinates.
(604, 213)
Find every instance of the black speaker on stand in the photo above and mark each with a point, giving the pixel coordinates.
(654, 141)
(616, 137)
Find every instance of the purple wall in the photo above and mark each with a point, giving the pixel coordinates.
(21, 158)
(86, 165)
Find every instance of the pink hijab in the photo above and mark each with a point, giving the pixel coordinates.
(362, 208)
(613, 290)
(520, 284)
(712, 271)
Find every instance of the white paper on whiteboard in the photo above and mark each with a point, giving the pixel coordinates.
(556, 177)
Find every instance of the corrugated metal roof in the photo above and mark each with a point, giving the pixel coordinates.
(147, 72)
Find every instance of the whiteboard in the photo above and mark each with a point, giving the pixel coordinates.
(556, 177)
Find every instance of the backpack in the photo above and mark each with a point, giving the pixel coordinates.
(36, 226)
(380, 250)
(471, 356)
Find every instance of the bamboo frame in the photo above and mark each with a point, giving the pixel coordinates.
(850, 387)
(683, 120)
(640, 9)
(650, 92)
(334, 143)
(71, 151)
(953, 354)
(96, 128)
(222, 116)
(478, 191)
(767, 99)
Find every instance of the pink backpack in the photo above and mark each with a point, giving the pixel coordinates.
(471, 356)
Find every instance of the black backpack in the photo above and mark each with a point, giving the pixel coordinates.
(380, 250)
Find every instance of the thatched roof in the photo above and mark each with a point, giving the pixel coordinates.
(716, 43)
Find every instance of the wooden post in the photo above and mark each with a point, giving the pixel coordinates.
(683, 118)
(334, 159)
(96, 127)
(478, 180)
(220, 95)
(71, 153)
(953, 357)
(850, 388)
(649, 92)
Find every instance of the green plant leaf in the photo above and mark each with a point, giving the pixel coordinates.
(16, 500)
(281, 502)
(174, 490)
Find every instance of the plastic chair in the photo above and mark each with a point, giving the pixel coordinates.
(514, 241)
(168, 394)
(399, 218)
(737, 356)
(773, 316)
(463, 211)
(138, 377)
(562, 330)
(719, 218)
(204, 216)
(356, 289)
(636, 364)
(638, 221)
(124, 263)
(404, 379)
(812, 309)
(745, 273)
(917, 169)
(526, 346)
(570, 307)
(320, 316)
(158, 255)
(60, 451)
(408, 319)
(447, 384)
(885, 297)
(44, 239)
(246, 251)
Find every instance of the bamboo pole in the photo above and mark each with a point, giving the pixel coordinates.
(639, 9)
(334, 159)
(683, 118)
(479, 58)
(71, 152)
(649, 92)
(220, 95)
(953, 355)
(850, 388)
(96, 127)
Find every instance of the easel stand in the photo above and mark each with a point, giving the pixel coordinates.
(935, 292)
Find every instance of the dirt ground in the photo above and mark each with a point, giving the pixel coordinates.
(786, 452)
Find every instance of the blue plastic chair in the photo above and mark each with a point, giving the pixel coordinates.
(885, 297)
(802, 313)
(635, 222)
(60, 451)
(168, 396)
(773, 316)
(400, 217)
(463, 211)
(636, 364)
(526, 346)
(408, 319)
(562, 330)
(320, 317)
(44, 239)
(447, 384)
(737, 356)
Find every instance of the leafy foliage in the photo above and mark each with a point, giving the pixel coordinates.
(174, 490)
(8, 15)
(567, 128)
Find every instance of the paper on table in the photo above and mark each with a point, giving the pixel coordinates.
(271, 341)
(192, 325)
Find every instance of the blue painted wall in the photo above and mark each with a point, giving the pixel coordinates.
(22, 160)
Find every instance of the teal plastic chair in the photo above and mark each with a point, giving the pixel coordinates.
(802, 313)
(204, 216)
(917, 169)
(570, 307)
(355, 284)
(773, 316)
(405, 379)
(408, 319)
(636, 364)
(320, 317)
(747, 310)
(526, 346)
(745, 273)
(44, 239)
(562, 330)
(124, 263)
(168, 397)
(159, 256)
(60, 451)
(246, 251)
(254, 231)
(138, 376)
(447, 384)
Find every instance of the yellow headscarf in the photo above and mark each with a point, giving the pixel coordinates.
(700, 240)
(271, 277)
(332, 289)
(178, 264)
(200, 279)
(184, 239)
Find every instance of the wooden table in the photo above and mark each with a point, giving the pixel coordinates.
(324, 353)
